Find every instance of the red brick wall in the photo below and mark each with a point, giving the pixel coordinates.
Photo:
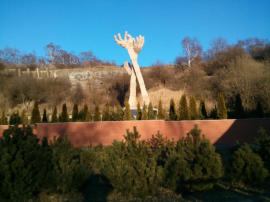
(219, 132)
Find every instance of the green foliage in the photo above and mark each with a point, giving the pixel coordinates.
(203, 111)
(75, 113)
(44, 117)
(54, 115)
(35, 118)
(193, 108)
(24, 118)
(221, 107)
(139, 112)
(106, 113)
(127, 113)
(246, 167)
(172, 111)
(25, 164)
(15, 119)
(97, 114)
(184, 113)
(161, 112)
(64, 115)
(4, 120)
(144, 113)
(151, 113)
(131, 167)
(71, 167)
(195, 166)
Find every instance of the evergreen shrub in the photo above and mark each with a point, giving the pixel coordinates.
(25, 164)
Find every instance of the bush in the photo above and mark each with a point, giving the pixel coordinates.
(25, 164)
(131, 167)
(71, 167)
(195, 166)
(246, 167)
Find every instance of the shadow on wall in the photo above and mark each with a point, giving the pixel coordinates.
(242, 131)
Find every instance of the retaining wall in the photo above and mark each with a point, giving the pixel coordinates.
(219, 132)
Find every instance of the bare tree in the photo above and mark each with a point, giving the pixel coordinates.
(192, 49)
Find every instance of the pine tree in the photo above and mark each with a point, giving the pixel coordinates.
(184, 113)
(193, 108)
(172, 111)
(203, 112)
(54, 115)
(119, 113)
(24, 118)
(151, 113)
(139, 112)
(35, 118)
(4, 118)
(127, 113)
(97, 114)
(64, 115)
(106, 113)
(161, 113)
(221, 107)
(44, 117)
(144, 113)
(75, 113)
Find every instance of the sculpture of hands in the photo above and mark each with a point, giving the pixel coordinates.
(130, 43)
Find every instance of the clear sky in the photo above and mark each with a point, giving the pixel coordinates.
(82, 25)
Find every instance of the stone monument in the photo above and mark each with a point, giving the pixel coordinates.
(133, 47)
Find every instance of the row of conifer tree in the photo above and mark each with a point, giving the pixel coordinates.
(186, 110)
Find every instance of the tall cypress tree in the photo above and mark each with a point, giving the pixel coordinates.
(35, 118)
(161, 113)
(64, 115)
(127, 113)
(221, 107)
(75, 113)
(203, 112)
(24, 118)
(119, 113)
(139, 112)
(97, 114)
(259, 110)
(87, 113)
(144, 113)
(106, 113)
(151, 113)
(239, 109)
(193, 108)
(44, 117)
(4, 118)
(172, 111)
(54, 115)
(184, 113)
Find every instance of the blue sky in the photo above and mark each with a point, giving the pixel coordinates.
(81, 25)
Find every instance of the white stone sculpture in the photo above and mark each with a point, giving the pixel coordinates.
(132, 88)
(134, 47)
